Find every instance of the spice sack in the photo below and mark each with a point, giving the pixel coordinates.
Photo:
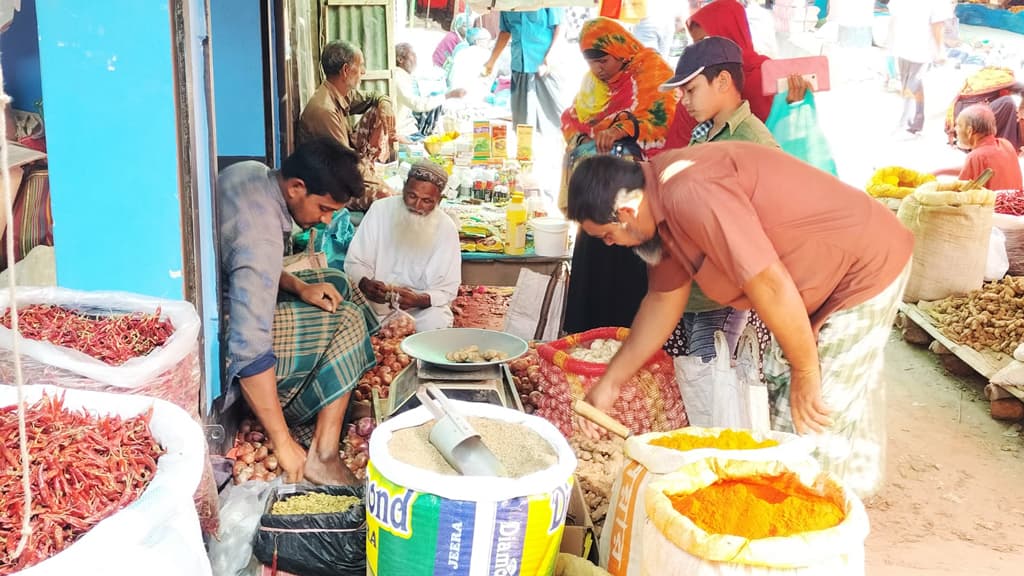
(327, 544)
(170, 372)
(420, 522)
(650, 401)
(157, 534)
(824, 524)
(652, 456)
(951, 235)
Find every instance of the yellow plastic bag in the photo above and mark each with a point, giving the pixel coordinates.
(896, 182)
(675, 546)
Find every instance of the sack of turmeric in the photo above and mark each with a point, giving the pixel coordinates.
(650, 457)
(732, 517)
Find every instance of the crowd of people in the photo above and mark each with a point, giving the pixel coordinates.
(679, 239)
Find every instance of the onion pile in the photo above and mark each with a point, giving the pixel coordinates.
(254, 454)
(526, 376)
(355, 448)
(390, 361)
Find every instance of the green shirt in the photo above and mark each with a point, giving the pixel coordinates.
(742, 125)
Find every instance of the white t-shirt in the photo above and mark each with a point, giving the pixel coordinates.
(911, 22)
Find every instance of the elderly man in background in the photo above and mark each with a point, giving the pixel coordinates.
(976, 132)
(339, 97)
(410, 103)
(406, 247)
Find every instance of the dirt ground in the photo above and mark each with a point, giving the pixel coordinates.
(953, 502)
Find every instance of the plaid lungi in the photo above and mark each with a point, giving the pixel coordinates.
(851, 346)
(320, 355)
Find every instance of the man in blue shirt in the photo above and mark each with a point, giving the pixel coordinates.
(535, 92)
(297, 343)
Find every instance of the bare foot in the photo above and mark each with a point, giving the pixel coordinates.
(330, 471)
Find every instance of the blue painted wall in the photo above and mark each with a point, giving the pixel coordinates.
(112, 139)
(238, 77)
(19, 51)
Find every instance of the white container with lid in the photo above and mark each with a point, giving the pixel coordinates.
(550, 236)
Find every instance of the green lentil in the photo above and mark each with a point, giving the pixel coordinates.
(315, 503)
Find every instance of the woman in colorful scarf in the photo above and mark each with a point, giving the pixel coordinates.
(619, 110)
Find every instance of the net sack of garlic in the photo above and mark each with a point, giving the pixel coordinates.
(650, 401)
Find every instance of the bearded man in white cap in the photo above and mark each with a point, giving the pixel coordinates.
(406, 247)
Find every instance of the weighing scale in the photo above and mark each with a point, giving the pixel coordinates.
(488, 384)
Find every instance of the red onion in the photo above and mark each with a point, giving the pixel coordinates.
(364, 427)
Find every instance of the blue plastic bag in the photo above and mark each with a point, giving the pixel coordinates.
(337, 238)
(795, 127)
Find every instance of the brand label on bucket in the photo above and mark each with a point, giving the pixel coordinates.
(411, 533)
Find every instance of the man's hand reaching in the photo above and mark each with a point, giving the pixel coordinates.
(323, 295)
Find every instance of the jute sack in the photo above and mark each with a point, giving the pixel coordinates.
(951, 234)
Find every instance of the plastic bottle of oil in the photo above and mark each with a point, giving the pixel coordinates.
(515, 225)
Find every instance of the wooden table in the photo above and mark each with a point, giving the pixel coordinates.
(503, 270)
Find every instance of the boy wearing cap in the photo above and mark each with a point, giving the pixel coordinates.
(709, 77)
(709, 80)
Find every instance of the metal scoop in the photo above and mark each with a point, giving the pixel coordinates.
(455, 439)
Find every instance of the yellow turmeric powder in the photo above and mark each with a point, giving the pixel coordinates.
(762, 507)
(726, 440)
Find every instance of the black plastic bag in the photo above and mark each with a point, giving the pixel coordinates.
(314, 544)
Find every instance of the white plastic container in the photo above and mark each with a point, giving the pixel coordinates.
(550, 236)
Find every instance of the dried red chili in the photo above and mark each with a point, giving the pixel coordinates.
(1010, 202)
(113, 339)
(84, 468)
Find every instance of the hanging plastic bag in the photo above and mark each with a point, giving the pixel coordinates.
(399, 323)
(240, 510)
(997, 263)
(795, 127)
(337, 238)
(314, 544)
(719, 395)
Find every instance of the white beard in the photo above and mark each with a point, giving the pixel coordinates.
(413, 232)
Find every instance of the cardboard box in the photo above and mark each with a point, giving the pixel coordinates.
(579, 538)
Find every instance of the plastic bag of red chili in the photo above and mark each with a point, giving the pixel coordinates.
(110, 342)
(109, 522)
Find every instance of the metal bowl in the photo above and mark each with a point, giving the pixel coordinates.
(432, 346)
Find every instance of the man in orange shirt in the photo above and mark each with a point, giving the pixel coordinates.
(822, 264)
(976, 131)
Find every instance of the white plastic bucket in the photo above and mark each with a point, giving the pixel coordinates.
(550, 236)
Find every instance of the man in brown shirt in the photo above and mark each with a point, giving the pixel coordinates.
(329, 109)
(822, 264)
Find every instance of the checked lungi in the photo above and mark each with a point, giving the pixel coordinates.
(851, 349)
(320, 355)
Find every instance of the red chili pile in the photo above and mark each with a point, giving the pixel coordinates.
(84, 468)
(1010, 202)
(113, 339)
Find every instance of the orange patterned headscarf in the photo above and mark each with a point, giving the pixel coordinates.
(601, 105)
